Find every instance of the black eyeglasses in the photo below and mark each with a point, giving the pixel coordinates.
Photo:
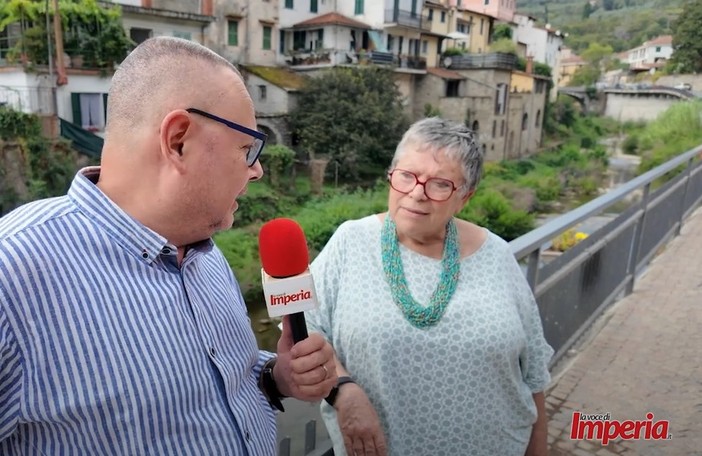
(259, 138)
(435, 188)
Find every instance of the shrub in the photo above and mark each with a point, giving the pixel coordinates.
(631, 144)
(568, 239)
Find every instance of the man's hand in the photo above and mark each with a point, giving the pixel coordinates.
(305, 370)
(359, 423)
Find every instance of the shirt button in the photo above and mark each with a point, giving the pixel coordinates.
(213, 352)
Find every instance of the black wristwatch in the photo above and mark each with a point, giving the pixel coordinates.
(333, 393)
(266, 382)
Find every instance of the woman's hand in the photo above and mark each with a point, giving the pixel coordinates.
(359, 423)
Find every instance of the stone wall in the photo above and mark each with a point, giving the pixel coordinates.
(14, 166)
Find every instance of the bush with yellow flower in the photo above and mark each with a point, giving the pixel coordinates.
(567, 239)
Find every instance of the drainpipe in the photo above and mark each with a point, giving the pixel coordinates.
(247, 43)
(62, 79)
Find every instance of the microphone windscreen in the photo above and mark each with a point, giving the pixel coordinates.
(282, 248)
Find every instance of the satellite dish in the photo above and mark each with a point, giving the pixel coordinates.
(447, 62)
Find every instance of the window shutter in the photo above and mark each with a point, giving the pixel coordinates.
(75, 106)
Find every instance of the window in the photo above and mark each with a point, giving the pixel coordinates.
(233, 33)
(319, 43)
(298, 40)
(262, 92)
(430, 15)
(494, 128)
(184, 35)
(358, 9)
(139, 35)
(414, 8)
(289, 4)
(537, 122)
(282, 42)
(89, 110)
(443, 17)
(452, 88)
(9, 37)
(391, 42)
(487, 2)
(476, 126)
(425, 46)
(267, 32)
(502, 128)
(525, 121)
(313, 6)
(459, 3)
(500, 99)
(658, 49)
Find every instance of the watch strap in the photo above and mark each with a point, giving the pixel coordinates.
(335, 391)
(268, 386)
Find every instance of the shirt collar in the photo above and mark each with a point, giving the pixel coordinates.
(128, 232)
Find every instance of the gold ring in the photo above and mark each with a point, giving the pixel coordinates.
(326, 372)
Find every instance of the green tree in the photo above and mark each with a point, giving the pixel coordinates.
(587, 10)
(501, 31)
(687, 39)
(597, 56)
(351, 116)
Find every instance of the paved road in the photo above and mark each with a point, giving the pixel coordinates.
(645, 358)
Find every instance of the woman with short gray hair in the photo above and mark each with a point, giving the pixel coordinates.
(439, 343)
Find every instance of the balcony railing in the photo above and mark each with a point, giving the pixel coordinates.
(499, 60)
(31, 100)
(412, 62)
(405, 18)
(426, 23)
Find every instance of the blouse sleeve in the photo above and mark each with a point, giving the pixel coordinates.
(326, 272)
(537, 353)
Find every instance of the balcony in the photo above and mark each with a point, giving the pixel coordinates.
(316, 57)
(425, 23)
(496, 60)
(412, 62)
(403, 18)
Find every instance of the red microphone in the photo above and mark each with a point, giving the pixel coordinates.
(287, 283)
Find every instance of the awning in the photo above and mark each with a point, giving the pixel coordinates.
(83, 141)
(377, 39)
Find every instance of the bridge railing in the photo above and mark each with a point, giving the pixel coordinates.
(573, 289)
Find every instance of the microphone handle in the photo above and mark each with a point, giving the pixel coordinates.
(298, 326)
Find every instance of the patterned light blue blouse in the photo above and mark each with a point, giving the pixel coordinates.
(461, 387)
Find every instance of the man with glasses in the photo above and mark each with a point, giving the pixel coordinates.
(122, 327)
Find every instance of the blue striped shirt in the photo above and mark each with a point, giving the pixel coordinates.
(107, 347)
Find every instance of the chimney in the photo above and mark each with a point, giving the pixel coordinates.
(530, 65)
(146, 4)
(207, 9)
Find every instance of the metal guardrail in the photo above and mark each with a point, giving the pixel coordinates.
(574, 289)
(310, 448)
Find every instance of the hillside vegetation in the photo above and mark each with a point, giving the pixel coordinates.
(622, 24)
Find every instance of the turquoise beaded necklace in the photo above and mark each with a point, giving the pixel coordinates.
(418, 315)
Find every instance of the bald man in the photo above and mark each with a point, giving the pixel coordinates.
(122, 328)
